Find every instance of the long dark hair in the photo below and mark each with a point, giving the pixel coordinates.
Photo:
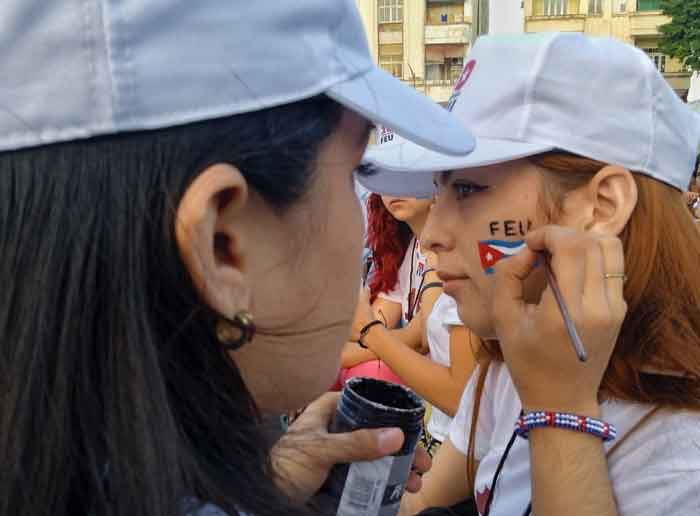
(115, 396)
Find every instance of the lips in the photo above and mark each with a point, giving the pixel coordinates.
(452, 282)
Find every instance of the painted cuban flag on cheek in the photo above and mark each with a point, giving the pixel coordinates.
(493, 251)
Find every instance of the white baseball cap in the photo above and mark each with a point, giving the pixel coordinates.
(78, 68)
(527, 94)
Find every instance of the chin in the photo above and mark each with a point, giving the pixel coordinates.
(296, 388)
(477, 321)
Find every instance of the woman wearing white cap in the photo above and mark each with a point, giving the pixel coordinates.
(583, 152)
(168, 169)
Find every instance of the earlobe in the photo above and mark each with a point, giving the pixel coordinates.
(210, 243)
(613, 193)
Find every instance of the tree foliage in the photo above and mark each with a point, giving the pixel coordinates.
(681, 36)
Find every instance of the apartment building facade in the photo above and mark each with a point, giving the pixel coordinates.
(633, 21)
(421, 42)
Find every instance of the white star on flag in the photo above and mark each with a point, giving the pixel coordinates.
(489, 257)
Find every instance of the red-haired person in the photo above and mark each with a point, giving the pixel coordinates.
(400, 284)
(434, 355)
(543, 429)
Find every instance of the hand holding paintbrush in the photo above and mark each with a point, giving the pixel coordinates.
(583, 303)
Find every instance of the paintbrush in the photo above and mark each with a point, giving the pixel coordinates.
(570, 327)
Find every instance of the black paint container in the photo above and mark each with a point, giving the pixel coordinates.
(374, 488)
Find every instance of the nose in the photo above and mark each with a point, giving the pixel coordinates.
(436, 235)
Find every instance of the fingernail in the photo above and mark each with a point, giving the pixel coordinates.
(389, 440)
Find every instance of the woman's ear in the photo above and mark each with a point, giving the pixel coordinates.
(605, 204)
(211, 247)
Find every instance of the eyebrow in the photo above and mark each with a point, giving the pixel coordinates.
(445, 177)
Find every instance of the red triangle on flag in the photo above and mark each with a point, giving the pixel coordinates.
(489, 256)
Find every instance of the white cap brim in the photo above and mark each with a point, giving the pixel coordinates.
(384, 100)
(404, 169)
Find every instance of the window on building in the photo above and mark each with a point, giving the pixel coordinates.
(595, 6)
(390, 11)
(392, 65)
(444, 63)
(619, 6)
(657, 57)
(648, 5)
(447, 71)
(391, 59)
(551, 7)
(444, 12)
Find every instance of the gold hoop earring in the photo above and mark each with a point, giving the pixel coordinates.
(244, 330)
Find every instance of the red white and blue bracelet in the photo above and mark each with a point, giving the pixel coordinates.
(585, 424)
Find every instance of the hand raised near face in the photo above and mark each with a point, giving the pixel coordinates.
(589, 269)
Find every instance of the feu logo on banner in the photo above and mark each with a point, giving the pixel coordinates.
(384, 135)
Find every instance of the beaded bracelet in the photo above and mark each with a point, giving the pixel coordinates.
(588, 425)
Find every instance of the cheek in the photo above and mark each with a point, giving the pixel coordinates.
(492, 239)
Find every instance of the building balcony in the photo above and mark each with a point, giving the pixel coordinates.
(438, 90)
(390, 37)
(558, 23)
(646, 23)
(679, 81)
(448, 33)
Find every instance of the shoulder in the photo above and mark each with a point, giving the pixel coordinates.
(668, 438)
(656, 469)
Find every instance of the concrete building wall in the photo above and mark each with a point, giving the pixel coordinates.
(414, 39)
(506, 17)
(618, 19)
(422, 32)
(368, 12)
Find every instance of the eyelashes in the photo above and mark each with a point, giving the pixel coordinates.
(464, 190)
(366, 170)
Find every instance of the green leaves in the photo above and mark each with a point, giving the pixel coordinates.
(681, 37)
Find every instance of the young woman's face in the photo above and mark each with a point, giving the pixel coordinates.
(478, 216)
(406, 209)
(305, 277)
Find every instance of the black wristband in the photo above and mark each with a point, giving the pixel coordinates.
(435, 284)
(365, 330)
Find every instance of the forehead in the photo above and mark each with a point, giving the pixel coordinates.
(519, 171)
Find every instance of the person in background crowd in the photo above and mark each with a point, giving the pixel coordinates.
(401, 283)
(692, 197)
(441, 376)
(588, 186)
(167, 259)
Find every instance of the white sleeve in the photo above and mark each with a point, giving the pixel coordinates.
(671, 493)
(460, 424)
(451, 315)
(460, 427)
(660, 471)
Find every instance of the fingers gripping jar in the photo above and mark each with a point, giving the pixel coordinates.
(375, 488)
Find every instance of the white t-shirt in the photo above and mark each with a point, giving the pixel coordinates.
(656, 471)
(443, 317)
(408, 284)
